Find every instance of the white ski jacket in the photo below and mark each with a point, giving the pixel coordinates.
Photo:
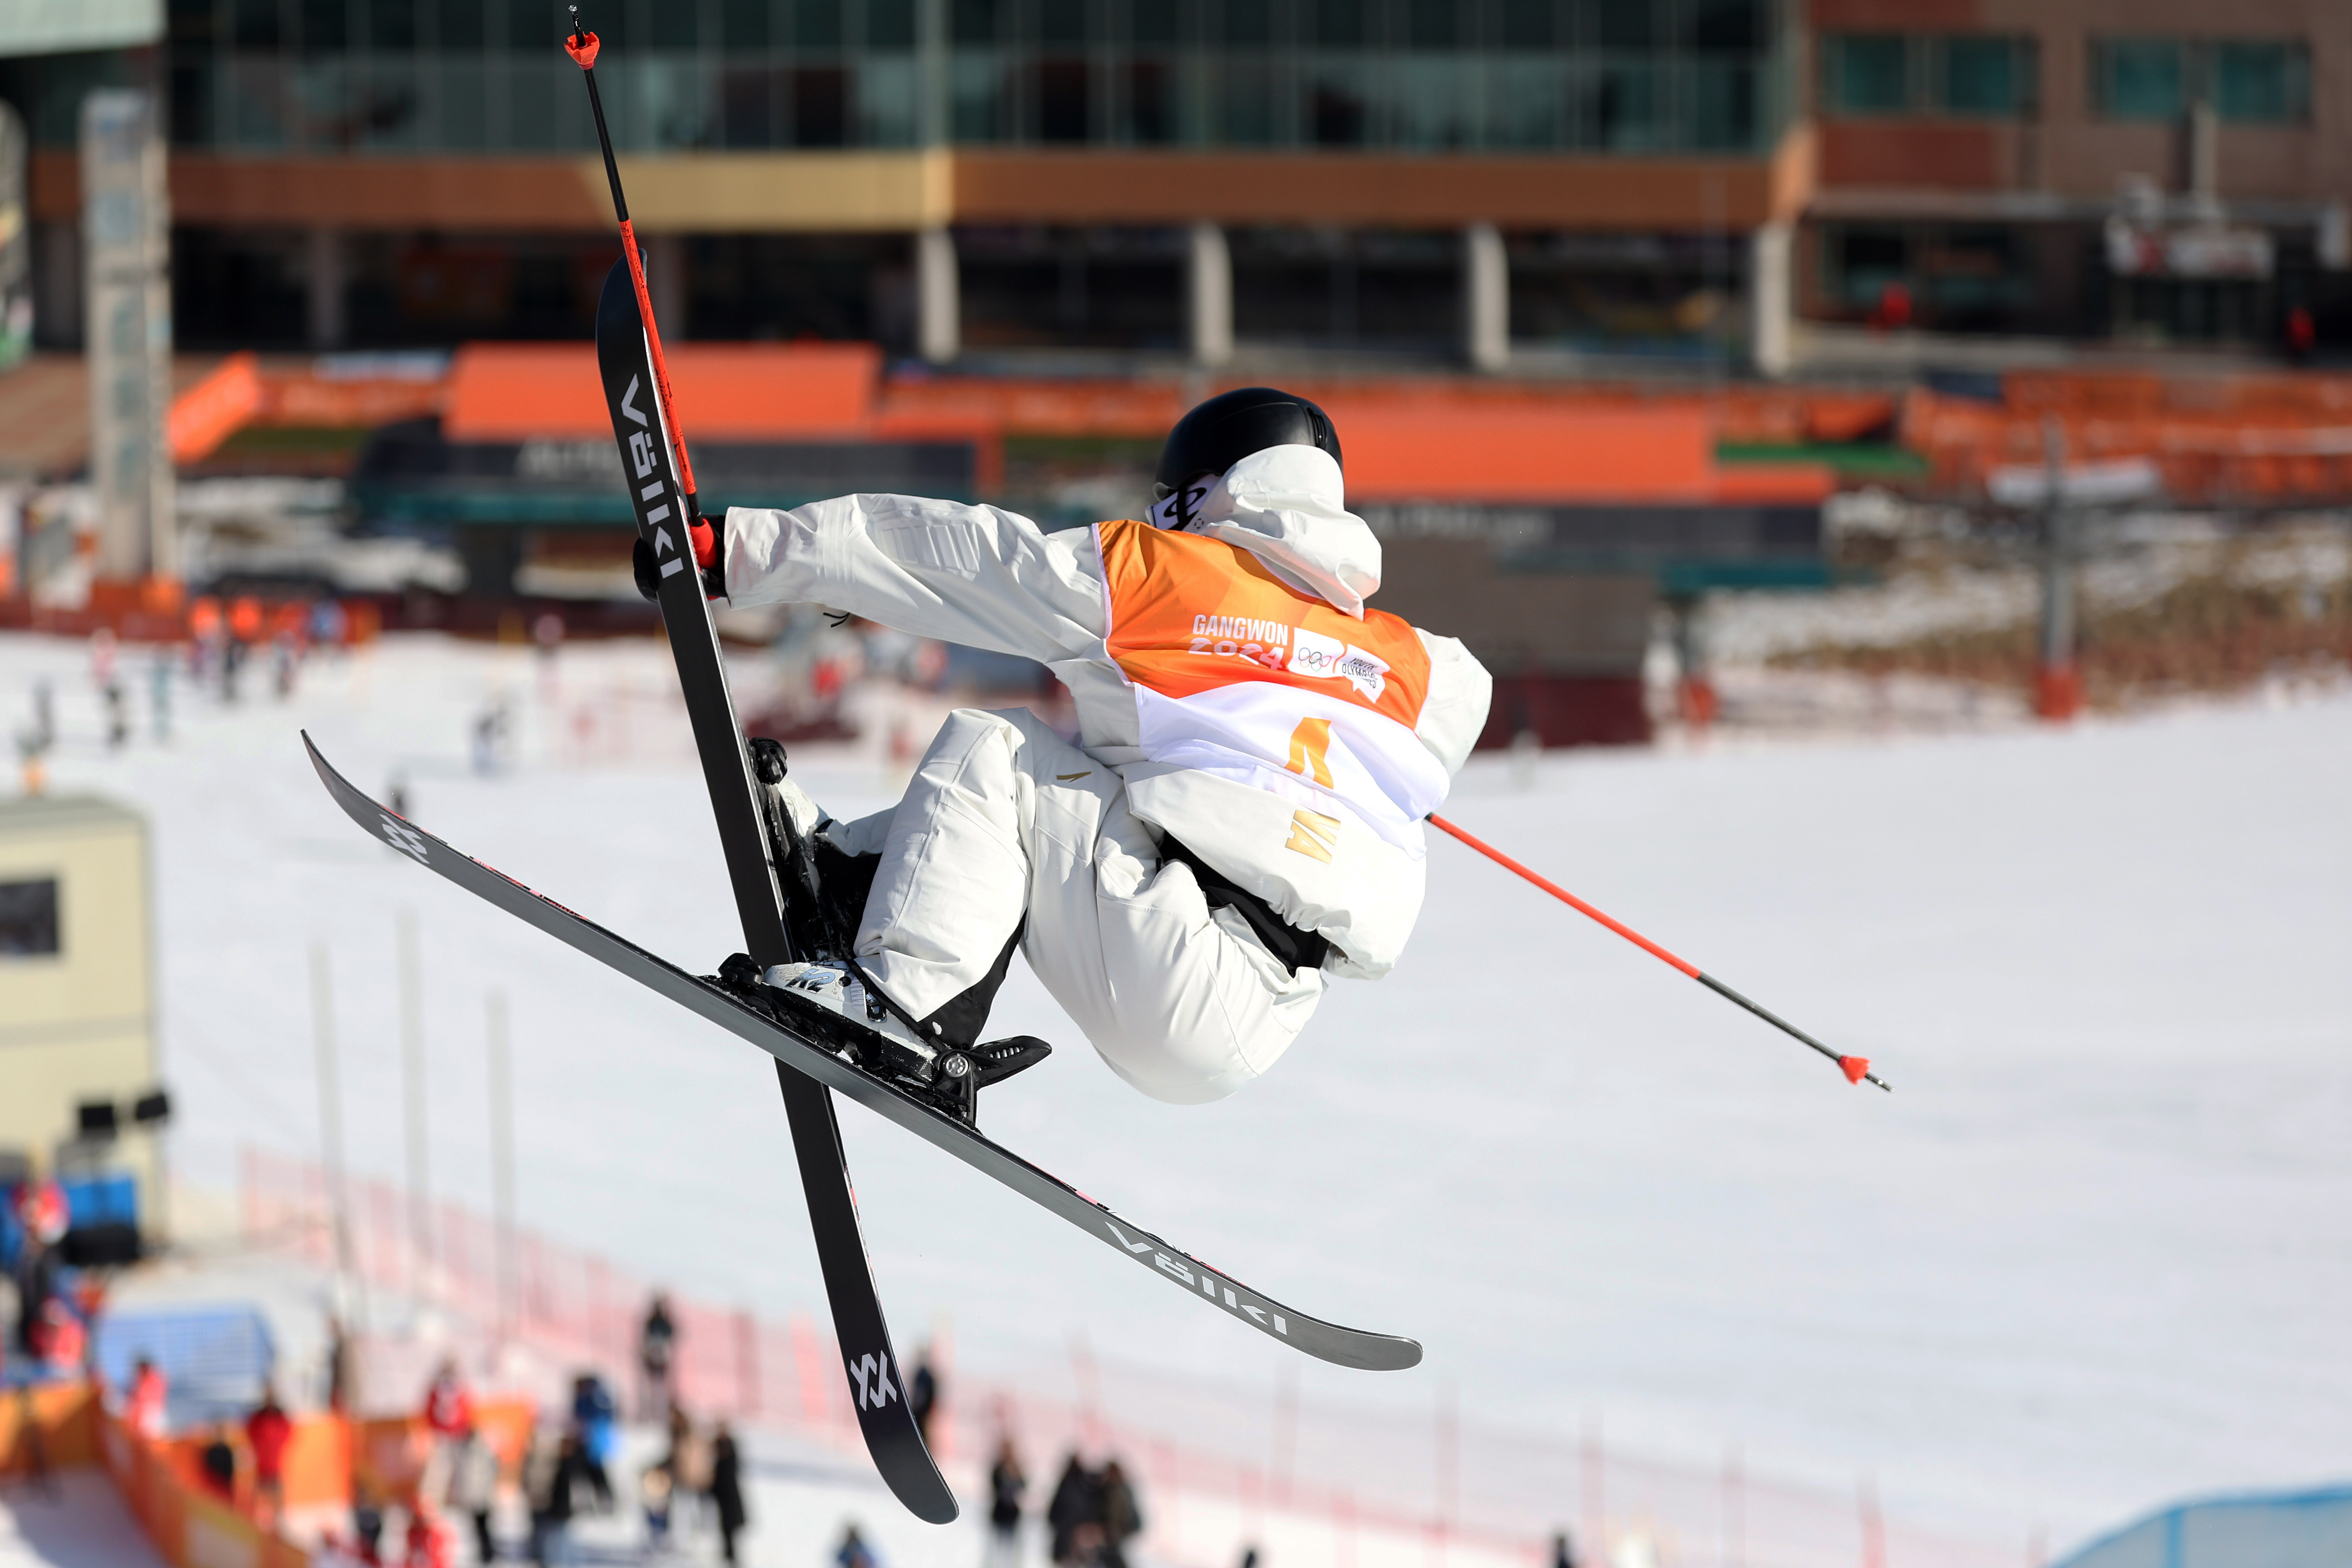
(989, 578)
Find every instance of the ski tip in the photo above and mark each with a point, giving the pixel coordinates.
(1856, 1069)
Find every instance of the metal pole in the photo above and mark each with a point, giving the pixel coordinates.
(412, 1059)
(502, 1170)
(2057, 683)
(331, 1116)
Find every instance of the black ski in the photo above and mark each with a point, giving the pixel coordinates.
(807, 1040)
(665, 512)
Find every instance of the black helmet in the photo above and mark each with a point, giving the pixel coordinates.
(1231, 426)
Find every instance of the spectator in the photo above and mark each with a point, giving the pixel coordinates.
(1075, 1514)
(592, 1417)
(923, 1391)
(852, 1551)
(143, 1412)
(656, 1346)
(474, 1491)
(548, 1480)
(655, 1489)
(38, 1205)
(1005, 1484)
(449, 1417)
(1563, 1550)
(1122, 1519)
(429, 1540)
(727, 1489)
(688, 1463)
(268, 1432)
(218, 1462)
(339, 1365)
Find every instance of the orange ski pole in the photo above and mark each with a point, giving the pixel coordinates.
(1856, 1069)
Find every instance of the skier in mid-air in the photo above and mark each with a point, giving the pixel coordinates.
(1243, 814)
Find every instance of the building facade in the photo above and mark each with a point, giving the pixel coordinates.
(1600, 182)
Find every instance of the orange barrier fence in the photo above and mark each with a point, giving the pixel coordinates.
(190, 1526)
(47, 1424)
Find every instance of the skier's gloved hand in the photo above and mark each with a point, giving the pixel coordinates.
(648, 574)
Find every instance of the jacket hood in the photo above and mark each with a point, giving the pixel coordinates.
(1286, 506)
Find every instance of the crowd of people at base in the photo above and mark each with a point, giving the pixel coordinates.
(1090, 1518)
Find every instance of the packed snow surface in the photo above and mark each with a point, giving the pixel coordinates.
(2091, 1253)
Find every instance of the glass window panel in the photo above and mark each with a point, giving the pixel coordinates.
(256, 25)
(1432, 24)
(392, 23)
(976, 85)
(257, 90)
(458, 24)
(885, 100)
(193, 22)
(1870, 73)
(1722, 104)
(746, 107)
(1064, 96)
(674, 24)
(463, 103)
(28, 917)
(2140, 79)
(677, 96)
(1152, 22)
(388, 104)
(1529, 24)
(1338, 103)
(1529, 106)
(1625, 108)
(1249, 103)
(1726, 26)
(1982, 76)
(891, 23)
(1624, 23)
(1338, 21)
(2260, 81)
(533, 101)
(1149, 97)
(819, 106)
(1062, 21)
(1247, 22)
(320, 102)
(743, 24)
(816, 25)
(973, 21)
(1434, 102)
(191, 101)
(532, 26)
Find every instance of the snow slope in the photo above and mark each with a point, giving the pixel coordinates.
(2091, 1254)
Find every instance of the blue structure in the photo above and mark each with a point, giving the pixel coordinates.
(90, 1200)
(2263, 1529)
(215, 1360)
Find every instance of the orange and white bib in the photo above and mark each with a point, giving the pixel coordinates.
(1238, 674)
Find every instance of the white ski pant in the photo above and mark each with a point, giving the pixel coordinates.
(1005, 820)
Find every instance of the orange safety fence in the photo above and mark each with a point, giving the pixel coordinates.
(190, 1526)
(48, 1424)
(2250, 446)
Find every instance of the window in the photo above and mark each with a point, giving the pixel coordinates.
(2262, 81)
(1870, 73)
(28, 919)
(2249, 80)
(2139, 78)
(1979, 75)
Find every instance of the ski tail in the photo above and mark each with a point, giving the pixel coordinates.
(650, 454)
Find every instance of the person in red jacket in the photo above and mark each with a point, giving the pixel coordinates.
(143, 1412)
(269, 1432)
(450, 1417)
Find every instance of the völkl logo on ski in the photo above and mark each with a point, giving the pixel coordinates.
(1207, 1281)
(404, 838)
(870, 1379)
